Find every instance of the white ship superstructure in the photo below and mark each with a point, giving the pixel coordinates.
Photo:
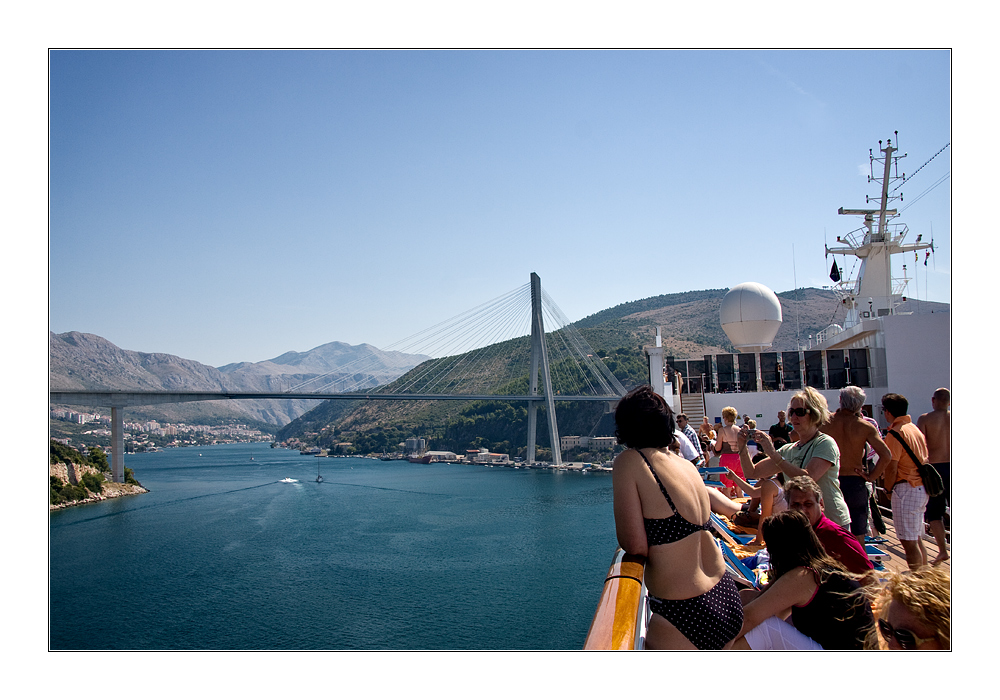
(878, 347)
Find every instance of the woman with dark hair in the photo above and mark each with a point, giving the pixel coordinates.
(662, 513)
(827, 604)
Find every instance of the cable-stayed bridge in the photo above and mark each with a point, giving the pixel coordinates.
(497, 351)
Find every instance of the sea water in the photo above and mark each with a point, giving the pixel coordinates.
(221, 554)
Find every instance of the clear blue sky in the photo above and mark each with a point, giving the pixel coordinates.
(243, 204)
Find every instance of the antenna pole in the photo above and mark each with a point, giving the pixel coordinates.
(795, 281)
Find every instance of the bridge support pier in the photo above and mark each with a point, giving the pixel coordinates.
(539, 356)
(117, 445)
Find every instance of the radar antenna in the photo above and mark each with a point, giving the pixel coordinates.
(875, 244)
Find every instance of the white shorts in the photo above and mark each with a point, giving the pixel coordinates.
(908, 504)
(776, 634)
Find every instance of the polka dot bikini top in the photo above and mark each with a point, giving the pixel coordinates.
(672, 529)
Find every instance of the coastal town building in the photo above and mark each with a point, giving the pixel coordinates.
(601, 442)
(415, 445)
(484, 456)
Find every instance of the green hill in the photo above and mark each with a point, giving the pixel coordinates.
(690, 327)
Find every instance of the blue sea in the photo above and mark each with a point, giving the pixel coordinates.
(381, 555)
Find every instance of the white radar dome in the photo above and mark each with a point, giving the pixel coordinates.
(751, 316)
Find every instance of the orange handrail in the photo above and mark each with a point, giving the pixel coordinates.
(616, 620)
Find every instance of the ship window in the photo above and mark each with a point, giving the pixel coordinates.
(696, 368)
(859, 367)
(680, 367)
(748, 371)
(668, 368)
(814, 368)
(835, 371)
(727, 374)
(791, 372)
(769, 371)
(709, 381)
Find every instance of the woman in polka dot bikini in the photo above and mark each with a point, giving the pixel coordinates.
(662, 512)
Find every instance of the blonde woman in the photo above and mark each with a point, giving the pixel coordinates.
(913, 611)
(728, 448)
(813, 454)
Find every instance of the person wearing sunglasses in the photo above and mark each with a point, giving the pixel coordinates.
(813, 454)
(913, 611)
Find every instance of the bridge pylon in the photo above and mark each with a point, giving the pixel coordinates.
(540, 360)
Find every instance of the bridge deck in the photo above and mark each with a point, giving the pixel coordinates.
(147, 398)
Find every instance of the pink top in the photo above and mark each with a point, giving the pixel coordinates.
(842, 546)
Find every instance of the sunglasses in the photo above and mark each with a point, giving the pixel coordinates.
(800, 412)
(905, 638)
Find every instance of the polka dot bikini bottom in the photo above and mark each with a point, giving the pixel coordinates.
(709, 620)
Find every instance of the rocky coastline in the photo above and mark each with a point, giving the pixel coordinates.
(72, 473)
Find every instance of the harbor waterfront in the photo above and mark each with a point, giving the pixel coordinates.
(224, 554)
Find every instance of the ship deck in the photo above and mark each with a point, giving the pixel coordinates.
(897, 556)
(897, 562)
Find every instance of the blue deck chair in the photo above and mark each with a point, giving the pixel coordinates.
(708, 475)
(875, 554)
(726, 534)
(737, 569)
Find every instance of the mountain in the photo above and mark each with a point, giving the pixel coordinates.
(86, 361)
(690, 324)
(690, 328)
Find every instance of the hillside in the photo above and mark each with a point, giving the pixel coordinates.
(76, 479)
(690, 327)
(86, 361)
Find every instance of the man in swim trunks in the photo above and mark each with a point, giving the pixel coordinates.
(853, 435)
(936, 427)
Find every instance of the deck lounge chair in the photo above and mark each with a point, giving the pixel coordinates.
(737, 569)
(726, 534)
(708, 474)
(876, 554)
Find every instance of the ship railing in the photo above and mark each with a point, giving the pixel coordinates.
(897, 232)
(855, 239)
(622, 617)
(899, 285)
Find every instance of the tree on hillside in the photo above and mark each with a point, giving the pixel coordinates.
(98, 459)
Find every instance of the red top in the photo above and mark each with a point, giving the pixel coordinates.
(842, 546)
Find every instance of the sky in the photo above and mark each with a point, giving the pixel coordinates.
(236, 205)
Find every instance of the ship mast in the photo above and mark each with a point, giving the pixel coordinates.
(875, 292)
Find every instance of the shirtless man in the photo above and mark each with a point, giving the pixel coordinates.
(853, 435)
(936, 427)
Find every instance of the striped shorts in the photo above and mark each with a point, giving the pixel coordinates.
(908, 503)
